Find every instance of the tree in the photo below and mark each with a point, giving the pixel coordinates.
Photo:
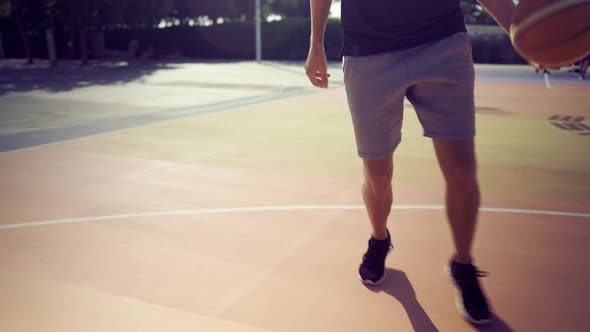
(4, 13)
(475, 14)
(28, 15)
(79, 17)
(82, 16)
(296, 8)
(4, 8)
(189, 9)
(135, 13)
(186, 10)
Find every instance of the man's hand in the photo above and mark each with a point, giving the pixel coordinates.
(316, 67)
(539, 67)
(501, 11)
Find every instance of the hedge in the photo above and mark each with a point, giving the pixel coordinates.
(286, 39)
(282, 40)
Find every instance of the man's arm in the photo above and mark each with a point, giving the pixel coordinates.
(316, 66)
(501, 11)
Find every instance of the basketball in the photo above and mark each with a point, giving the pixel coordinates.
(552, 33)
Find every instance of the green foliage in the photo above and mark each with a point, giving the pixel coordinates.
(31, 14)
(134, 13)
(236, 9)
(286, 39)
(88, 14)
(491, 44)
(282, 40)
(32, 17)
(4, 8)
(189, 9)
(475, 14)
(289, 8)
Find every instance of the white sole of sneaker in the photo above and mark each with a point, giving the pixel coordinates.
(459, 301)
(369, 282)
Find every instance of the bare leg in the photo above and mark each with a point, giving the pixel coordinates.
(458, 164)
(377, 194)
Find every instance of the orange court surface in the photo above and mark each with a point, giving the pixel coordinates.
(226, 197)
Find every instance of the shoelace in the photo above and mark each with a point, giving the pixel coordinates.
(476, 274)
(374, 256)
(481, 274)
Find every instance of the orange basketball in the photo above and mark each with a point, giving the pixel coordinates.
(551, 32)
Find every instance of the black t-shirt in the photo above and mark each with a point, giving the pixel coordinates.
(376, 26)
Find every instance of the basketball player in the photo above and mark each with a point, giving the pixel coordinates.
(419, 50)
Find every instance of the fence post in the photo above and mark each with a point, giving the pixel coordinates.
(258, 32)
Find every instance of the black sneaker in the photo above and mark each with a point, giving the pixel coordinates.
(470, 300)
(372, 269)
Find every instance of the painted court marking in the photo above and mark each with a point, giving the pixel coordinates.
(547, 83)
(275, 208)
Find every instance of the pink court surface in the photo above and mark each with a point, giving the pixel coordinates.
(231, 202)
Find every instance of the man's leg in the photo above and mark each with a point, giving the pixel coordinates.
(375, 90)
(377, 194)
(458, 164)
(443, 97)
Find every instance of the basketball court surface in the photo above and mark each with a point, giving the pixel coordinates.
(226, 197)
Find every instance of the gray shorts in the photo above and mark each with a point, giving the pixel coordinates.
(437, 78)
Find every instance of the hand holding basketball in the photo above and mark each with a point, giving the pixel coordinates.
(551, 33)
(541, 67)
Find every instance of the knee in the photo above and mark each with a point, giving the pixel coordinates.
(378, 177)
(462, 176)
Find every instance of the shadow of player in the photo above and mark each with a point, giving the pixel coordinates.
(399, 287)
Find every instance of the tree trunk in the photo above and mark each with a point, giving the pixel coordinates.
(72, 45)
(26, 41)
(51, 47)
(2, 56)
(83, 46)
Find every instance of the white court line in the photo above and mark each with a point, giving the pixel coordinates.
(275, 208)
(547, 83)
